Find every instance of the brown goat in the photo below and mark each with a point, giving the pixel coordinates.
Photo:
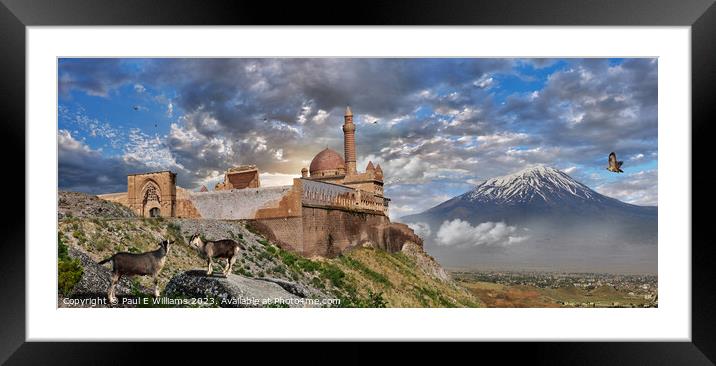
(225, 248)
(137, 264)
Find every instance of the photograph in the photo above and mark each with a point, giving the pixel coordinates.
(499, 175)
(357, 182)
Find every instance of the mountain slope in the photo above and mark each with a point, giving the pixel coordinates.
(540, 218)
(362, 277)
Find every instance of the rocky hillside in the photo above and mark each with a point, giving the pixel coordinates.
(76, 204)
(363, 277)
(234, 291)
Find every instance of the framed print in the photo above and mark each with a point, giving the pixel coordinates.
(458, 176)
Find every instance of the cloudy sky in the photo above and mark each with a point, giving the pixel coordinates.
(437, 126)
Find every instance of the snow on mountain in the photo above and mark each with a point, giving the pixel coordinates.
(560, 223)
(534, 183)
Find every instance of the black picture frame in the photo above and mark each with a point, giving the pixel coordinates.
(16, 15)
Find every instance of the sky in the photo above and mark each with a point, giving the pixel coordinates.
(436, 126)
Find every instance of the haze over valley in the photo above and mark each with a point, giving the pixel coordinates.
(539, 219)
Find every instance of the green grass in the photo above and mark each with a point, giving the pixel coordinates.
(371, 274)
(102, 243)
(243, 271)
(62, 249)
(174, 233)
(69, 273)
(80, 236)
(424, 293)
(69, 270)
(333, 274)
(238, 237)
(296, 261)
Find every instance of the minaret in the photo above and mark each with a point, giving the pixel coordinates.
(349, 142)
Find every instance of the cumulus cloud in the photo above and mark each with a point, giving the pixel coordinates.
(459, 233)
(639, 188)
(484, 82)
(320, 117)
(69, 144)
(96, 77)
(442, 123)
(83, 169)
(150, 151)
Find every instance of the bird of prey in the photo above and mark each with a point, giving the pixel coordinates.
(614, 165)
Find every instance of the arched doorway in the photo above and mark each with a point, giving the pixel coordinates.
(151, 200)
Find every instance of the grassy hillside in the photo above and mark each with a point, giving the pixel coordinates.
(363, 277)
(400, 280)
(100, 238)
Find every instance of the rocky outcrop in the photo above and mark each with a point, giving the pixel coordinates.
(425, 262)
(91, 290)
(76, 204)
(235, 291)
(95, 278)
(295, 288)
(397, 234)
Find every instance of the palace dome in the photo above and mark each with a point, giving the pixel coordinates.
(327, 162)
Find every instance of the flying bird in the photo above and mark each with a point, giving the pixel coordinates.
(136, 107)
(614, 165)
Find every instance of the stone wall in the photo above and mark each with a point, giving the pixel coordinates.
(238, 204)
(184, 206)
(156, 190)
(397, 234)
(329, 232)
(289, 205)
(327, 195)
(286, 232)
(310, 217)
(240, 178)
(120, 198)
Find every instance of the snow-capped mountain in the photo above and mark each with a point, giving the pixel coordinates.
(529, 185)
(539, 216)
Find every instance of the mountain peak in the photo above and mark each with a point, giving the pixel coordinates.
(530, 185)
(538, 168)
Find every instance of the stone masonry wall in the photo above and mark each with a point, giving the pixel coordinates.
(237, 204)
(329, 232)
(286, 232)
(184, 206)
(120, 198)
